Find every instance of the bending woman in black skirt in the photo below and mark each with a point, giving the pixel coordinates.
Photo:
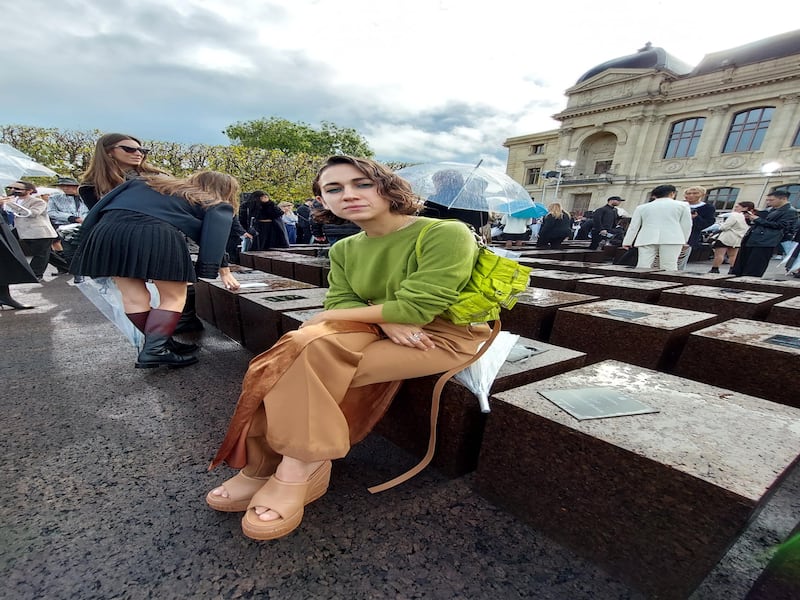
(136, 233)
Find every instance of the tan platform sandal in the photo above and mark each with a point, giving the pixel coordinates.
(286, 499)
(241, 489)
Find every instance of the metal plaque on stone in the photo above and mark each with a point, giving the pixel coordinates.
(624, 313)
(284, 298)
(785, 340)
(596, 403)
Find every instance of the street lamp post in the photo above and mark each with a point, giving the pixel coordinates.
(768, 170)
(562, 164)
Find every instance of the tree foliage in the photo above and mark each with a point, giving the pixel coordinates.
(284, 176)
(290, 137)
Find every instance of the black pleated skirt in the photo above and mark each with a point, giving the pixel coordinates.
(130, 244)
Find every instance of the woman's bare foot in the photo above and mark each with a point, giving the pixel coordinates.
(290, 470)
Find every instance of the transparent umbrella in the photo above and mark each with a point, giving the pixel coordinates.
(466, 187)
(15, 164)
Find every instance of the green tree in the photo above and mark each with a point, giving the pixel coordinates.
(291, 137)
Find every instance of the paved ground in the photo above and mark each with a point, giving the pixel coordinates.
(105, 473)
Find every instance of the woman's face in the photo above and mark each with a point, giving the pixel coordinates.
(692, 196)
(263, 199)
(128, 154)
(349, 194)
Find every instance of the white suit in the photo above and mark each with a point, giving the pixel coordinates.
(659, 228)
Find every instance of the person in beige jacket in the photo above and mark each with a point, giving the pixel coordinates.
(36, 234)
(731, 232)
(659, 229)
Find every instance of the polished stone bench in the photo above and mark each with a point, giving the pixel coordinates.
(312, 270)
(461, 421)
(261, 313)
(536, 308)
(625, 288)
(619, 270)
(545, 263)
(786, 287)
(259, 259)
(786, 312)
(726, 303)
(564, 281)
(225, 303)
(648, 335)
(689, 278)
(749, 356)
(202, 291)
(656, 499)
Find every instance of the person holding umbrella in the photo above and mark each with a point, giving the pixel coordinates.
(321, 388)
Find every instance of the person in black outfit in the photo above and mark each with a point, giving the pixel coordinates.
(137, 232)
(556, 227)
(14, 267)
(767, 230)
(604, 219)
(262, 218)
(304, 221)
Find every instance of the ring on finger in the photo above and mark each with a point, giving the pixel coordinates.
(415, 336)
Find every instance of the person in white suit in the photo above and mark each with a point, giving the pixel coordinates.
(660, 229)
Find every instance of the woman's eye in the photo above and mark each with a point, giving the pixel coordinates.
(333, 190)
(365, 185)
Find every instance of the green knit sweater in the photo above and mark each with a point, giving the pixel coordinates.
(384, 270)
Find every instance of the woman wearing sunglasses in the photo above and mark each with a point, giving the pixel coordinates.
(117, 158)
(137, 232)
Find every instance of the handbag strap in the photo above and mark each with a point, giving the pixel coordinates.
(434, 417)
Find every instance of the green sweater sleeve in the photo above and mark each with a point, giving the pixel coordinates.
(386, 271)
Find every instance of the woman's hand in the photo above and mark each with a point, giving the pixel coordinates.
(404, 334)
(229, 280)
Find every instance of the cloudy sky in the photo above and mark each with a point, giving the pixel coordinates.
(422, 80)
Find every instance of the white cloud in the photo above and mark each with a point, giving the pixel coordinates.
(421, 79)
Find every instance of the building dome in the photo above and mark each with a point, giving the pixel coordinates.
(645, 58)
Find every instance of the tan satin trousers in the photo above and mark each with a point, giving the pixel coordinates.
(310, 413)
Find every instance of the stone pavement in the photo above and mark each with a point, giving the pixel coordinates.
(105, 473)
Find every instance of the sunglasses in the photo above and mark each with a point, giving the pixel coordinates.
(133, 149)
(16, 189)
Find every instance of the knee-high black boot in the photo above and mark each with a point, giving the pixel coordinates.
(7, 300)
(139, 321)
(157, 331)
(189, 321)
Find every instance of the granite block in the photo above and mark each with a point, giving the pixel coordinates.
(625, 288)
(690, 278)
(786, 312)
(751, 357)
(558, 280)
(262, 259)
(619, 270)
(461, 422)
(225, 303)
(542, 263)
(202, 301)
(246, 259)
(726, 303)
(789, 288)
(647, 335)
(292, 319)
(655, 499)
(260, 313)
(311, 270)
(535, 311)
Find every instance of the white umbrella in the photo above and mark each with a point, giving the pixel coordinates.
(15, 164)
(480, 375)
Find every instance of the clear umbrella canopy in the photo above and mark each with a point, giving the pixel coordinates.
(468, 187)
(15, 164)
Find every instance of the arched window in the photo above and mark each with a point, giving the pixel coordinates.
(722, 198)
(748, 130)
(794, 193)
(683, 138)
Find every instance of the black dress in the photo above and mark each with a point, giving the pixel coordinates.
(14, 268)
(266, 226)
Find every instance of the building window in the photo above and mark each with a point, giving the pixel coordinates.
(683, 138)
(722, 198)
(794, 193)
(796, 141)
(748, 130)
(537, 148)
(532, 176)
(602, 166)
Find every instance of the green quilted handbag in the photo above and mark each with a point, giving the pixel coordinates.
(496, 283)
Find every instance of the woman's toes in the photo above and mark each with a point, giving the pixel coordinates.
(265, 514)
(220, 491)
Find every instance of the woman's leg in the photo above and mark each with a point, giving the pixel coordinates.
(732, 254)
(719, 256)
(135, 295)
(159, 348)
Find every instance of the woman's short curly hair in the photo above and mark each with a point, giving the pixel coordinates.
(391, 186)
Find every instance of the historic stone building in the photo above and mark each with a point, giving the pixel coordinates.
(731, 124)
